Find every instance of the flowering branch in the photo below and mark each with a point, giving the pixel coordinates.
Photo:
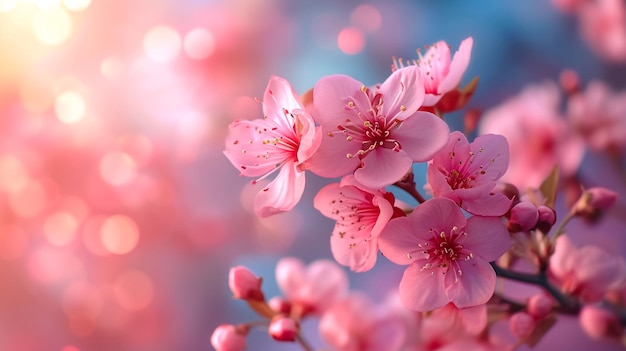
(408, 184)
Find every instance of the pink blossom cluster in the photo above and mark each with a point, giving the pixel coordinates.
(492, 209)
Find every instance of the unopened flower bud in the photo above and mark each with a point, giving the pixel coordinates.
(521, 324)
(280, 305)
(509, 190)
(547, 218)
(595, 199)
(539, 306)
(244, 284)
(523, 217)
(283, 328)
(228, 337)
(599, 323)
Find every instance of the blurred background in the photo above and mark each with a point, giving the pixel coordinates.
(119, 214)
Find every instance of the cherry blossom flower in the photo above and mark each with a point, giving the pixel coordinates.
(587, 272)
(467, 173)
(599, 115)
(537, 134)
(376, 133)
(228, 337)
(244, 284)
(312, 289)
(282, 141)
(448, 255)
(442, 73)
(361, 213)
(356, 324)
(603, 27)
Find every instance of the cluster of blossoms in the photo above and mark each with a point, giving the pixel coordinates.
(473, 229)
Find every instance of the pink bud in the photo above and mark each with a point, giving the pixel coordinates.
(539, 306)
(227, 337)
(595, 199)
(599, 323)
(521, 324)
(523, 217)
(280, 305)
(547, 218)
(244, 284)
(283, 328)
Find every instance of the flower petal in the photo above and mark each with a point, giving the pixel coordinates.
(491, 205)
(331, 96)
(290, 274)
(491, 154)
(280, 95)
(403, 92)
(359, 254)
(282, 194)
(422, 291)
(487, 237)
(438, 213)
(459, 64)
(474, 287)
(382, 167)
(397, 239)
(422, 135)
(330, 159)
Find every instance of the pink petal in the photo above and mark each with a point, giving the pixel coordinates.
(487, 237)
(382, 167)
(388, 333)
(396, 240)
(491, 205)
(438, 213)
(438, 182)
(290, 274)
(403, 92)
(431, 99)
(454, 153)
(310, 136)
(459, 64)
(494, 157)
(474, 287)
(282, 194)
(564, 258)
(243, 154)
(330, 97)
(325, 198)
(359, 254)
(422, 291)
(327, 283)
(330, 159)
(422, 135)
(280, 95)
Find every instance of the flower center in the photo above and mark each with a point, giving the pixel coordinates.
(444, 251)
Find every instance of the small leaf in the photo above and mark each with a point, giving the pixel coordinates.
(549, 187)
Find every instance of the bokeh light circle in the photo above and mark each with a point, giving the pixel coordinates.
(351, 41)
(199, 44)
(162, 44)
(119, 234)
(52, 27)
(69, 107)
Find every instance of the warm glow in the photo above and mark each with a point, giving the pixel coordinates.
(54, 265)
(60, 228)
(52, 27)
(133, 290)
(351, 41)
(13, 242)
(111, 68)
(69, 107)
(7, 5)
(13, 175)
(117, 168)
(76, 5)
(82, 300)
(91, 235)
(199, 44)
(366, 17)
(162, 44)
(119, 234)
(29, 201)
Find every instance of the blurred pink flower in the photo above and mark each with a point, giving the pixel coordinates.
(283, 328)
(587, 272)
(360, 214)
(312, 289)
(441, 72)
(603, 27)
(283, 141)
(467, 173)
(378, 132)
(538, 136)
(244, 284)
(448, 255)
(599, 115)
(599, 322)
(228, 337)
(356, 324)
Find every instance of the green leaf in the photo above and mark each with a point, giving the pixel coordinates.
(549, 187)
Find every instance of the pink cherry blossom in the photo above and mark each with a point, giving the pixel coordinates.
(376, 133)
(283, 328)
(356, 324)
(448, 255)
(312, 289)
(283, 141)
(360, 214)
(603, 27)
(467, 173)
(587, 272)
(244, 284)
(599, 115)
(537, 134)
(442, 73)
